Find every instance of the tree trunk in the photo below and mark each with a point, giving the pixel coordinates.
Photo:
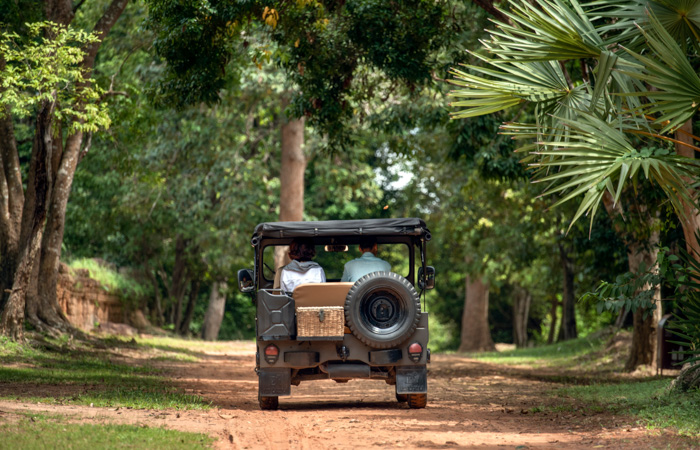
(42, 304)
(521, 312)
(291, 180)
(184, 328)
(553, 314)
(567, 330)
(644, 348)
(215, 312)
(11, 203)
(159, 319)
(12, 316)
(476, 336)
(178, 284)
(690, 219)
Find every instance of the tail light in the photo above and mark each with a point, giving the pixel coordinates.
(415, 351)
(272, 353)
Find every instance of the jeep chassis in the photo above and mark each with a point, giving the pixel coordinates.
(372, 329)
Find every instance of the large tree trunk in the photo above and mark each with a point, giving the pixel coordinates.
(521, 312)
(12, 316)
(476, 336)
(567, 330)
(215, 312)
(644, 348)
(42, 304)
(291, 180)
(11, 202)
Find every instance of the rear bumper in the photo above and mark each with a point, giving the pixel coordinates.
(344, 360)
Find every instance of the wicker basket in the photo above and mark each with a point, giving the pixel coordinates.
(320, 323)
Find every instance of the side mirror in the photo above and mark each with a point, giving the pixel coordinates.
(426, 280)
(245, 280)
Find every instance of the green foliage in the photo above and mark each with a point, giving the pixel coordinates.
(596, 134)
(123, 285)
(15, 14)
(687, 319)
(443, 336)
(632, 291)
(36, 431)
(42, 70)
(329, 51)
(239, 317)
(687, 325)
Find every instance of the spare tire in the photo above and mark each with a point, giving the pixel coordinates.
(382, 309)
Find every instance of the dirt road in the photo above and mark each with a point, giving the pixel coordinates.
(471, 405)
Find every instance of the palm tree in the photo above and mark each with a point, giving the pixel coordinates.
(614, 90)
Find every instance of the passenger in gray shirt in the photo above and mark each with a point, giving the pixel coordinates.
(367, 263)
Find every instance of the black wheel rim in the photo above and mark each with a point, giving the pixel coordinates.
(383, 311)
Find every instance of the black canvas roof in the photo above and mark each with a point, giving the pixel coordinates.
(367, 227)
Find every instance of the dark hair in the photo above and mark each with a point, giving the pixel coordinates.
(302, 249)
(367, 243)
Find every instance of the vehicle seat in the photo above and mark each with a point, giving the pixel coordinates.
(321, 294)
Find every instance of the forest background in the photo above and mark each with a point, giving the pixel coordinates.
(190, 122)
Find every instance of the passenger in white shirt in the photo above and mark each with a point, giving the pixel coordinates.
(302, 269)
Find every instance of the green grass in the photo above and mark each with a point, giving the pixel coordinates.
(84, 375)
(554, 355)
(42, 432)
(176, 357)
(649, 400)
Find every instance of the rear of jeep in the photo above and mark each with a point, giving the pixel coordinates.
(373, 328)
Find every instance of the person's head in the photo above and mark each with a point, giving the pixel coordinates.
(368, 245)
(302, 249)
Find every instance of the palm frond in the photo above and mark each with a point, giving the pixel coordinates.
(677, 97)
(540, 83)
(680, 18)
(599, 157)
(557, 31)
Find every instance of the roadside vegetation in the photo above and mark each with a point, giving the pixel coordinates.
(590, 370)
(111, 279)
(97, 372)
(42, 431)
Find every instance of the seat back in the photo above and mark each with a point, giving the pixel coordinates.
(321, 294)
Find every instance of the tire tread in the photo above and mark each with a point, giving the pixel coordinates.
(368, 340)
(417, 401)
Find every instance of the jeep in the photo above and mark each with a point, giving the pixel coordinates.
(373, 328)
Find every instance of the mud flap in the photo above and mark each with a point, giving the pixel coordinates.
(411, 380)
(274, 382)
